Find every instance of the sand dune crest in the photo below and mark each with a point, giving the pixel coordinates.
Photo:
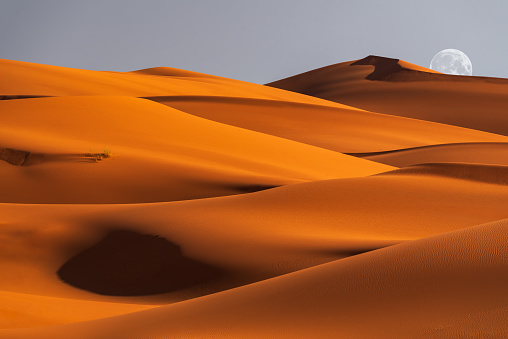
(406, 90)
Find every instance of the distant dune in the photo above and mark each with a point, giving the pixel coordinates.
(342, 129)
(481, 153)
(395, 87)
(366, 199)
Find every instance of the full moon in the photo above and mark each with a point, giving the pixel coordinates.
(452, 61)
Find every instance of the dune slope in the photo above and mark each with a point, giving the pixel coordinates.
(341, 129)
(423, 285)
(169, 203)
(242, 238)
(22, 79)
(481, 153)
(396, 87)
(158, 154)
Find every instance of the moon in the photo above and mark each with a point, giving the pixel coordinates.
(452, 61)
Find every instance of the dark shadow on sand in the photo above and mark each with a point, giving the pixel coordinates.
(127, 263)
(25, 158)
(17, 97)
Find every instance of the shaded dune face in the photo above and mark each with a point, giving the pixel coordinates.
(383, 67)
(249, 188)
(395, 87)
(337, 129)
(490, 174)
(478, 153)
(127, 263)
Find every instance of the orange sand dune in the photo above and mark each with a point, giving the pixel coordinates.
(449, 285)
(482, 153)
(242, 238)
(394, 87)
(169, 203)
(492, 174)
(29, 79)
(336, 128)
(159, 154)
(28, 310)
(174, 72)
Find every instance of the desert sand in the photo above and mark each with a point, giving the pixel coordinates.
(366, 199)
(399, 88)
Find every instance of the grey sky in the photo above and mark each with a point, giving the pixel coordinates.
(258, 41)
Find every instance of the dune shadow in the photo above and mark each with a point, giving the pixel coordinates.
(389, 69)
(352, 251)
(26, 158)
(383, 67)
(252, 188)
(127, 263)
(17, 97)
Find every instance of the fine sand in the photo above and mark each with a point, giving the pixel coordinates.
(164, 203)
(399, 88)
(481, 153)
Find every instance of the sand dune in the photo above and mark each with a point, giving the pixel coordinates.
(384, 85)
(158, 154)
(481, 153)
(169, 203)
(413, 290)
(29, 79)
(243, 238)
(341, 129)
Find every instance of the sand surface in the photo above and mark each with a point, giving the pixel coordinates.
(481, 153)
(399, 88)
(165, 203)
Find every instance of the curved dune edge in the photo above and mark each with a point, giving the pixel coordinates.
(173, 72)
(37, 80)
(339, 129)
(387, 68)
(159, 154)
(467, 101)
(446, 285)
(248, 237)
(480, 153)
(491, 174)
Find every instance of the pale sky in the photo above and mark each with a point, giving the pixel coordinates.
(257, 41)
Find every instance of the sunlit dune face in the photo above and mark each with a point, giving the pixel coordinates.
(363, 199)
